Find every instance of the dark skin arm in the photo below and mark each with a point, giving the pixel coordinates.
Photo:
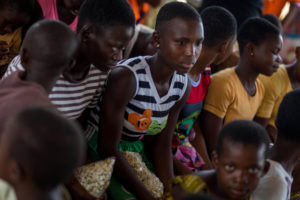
(272, 133)
(200, 145)
(120, 90)
(210, 125)
(262, 121)
(271, 130)
(163, 144)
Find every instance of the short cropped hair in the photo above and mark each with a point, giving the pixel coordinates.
(219, 25)
(176, 10)
(288, 116)
(273, 20)
(47, 146)
(104, 13)
(255, 30)
(22, 6)
(245, 132)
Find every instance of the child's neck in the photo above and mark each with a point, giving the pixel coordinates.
(30, 192)
(206, 58)
(160, 72)
(78, 70)
(247, 76)
(288, 157)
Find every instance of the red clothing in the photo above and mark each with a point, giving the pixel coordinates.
(17, 94)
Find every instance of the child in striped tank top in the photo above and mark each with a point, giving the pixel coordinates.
(143, 98)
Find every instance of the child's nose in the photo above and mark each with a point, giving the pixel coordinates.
(241, 177)
(190, 50)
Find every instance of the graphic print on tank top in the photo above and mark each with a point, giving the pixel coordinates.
(147, 113)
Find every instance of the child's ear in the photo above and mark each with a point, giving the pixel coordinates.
(215, 159)
(249, 49)
(223, 47)
(84, 33)
(156, 38)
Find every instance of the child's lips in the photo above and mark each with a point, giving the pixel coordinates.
(238, 191)
(187, 66)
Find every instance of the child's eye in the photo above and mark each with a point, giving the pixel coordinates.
(181, 42)
(229, 167)
(253, 170)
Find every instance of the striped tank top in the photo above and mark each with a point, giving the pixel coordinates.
(147, 113)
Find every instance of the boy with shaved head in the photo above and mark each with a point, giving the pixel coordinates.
(47, 50)
(28, 160)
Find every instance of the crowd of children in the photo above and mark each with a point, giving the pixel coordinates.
(82, 83)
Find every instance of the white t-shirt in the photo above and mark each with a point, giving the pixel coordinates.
(275, 185)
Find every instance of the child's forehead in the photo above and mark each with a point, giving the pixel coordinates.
(180, 26)
(240, 151)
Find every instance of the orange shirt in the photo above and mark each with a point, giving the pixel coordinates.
(139, 10)
(275, 6)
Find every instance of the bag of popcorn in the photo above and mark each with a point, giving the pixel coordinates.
(150, 180)
(95, 177)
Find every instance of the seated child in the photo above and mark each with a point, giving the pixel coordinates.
(39, 150)
(236, 93)
(143, 99)
(276, 183)
(103, 35)
(276, 87)
(220, 35)
(64, 10)
(239, 160)
(42, 67)
(13, 16)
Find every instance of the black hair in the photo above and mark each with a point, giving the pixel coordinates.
(176, 10)
(245, 132)
(288, 116)
(46, 146)
(272, 19)
(255, 30)
(197, 197)
(103, 13)
(219, 25)
(21, 6)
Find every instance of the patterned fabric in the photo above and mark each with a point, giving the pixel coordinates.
(13, 40)
(189, 157)
(295, 196)
(147, 113)
(192, 108)
(71, 99)
(190, 184)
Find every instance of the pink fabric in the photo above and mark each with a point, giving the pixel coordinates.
(49, 8)
(189, 157)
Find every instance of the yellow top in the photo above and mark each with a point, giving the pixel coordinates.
(14, 43)
(276, 88)
(228, 99)
(190, 184)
